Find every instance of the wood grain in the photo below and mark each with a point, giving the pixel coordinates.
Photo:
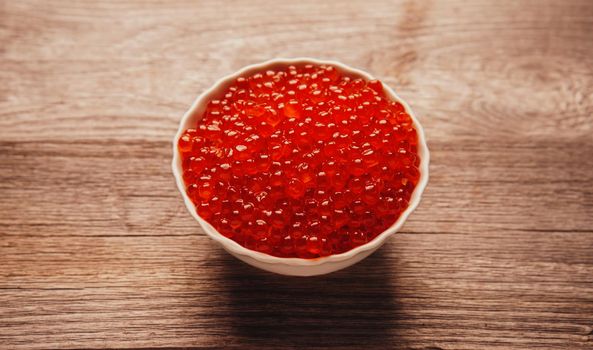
(97, 250)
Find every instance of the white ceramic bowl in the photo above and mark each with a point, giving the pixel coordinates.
(294, 266)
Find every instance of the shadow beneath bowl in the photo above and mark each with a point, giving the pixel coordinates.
(353, 307)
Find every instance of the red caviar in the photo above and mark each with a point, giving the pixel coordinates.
(301, 161)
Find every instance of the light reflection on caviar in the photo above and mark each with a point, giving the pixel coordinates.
(301, 161)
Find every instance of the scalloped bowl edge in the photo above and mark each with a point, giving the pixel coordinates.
(296, 266)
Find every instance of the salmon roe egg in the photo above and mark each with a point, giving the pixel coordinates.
(301, 161)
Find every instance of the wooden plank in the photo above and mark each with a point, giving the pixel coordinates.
(464, 77)
(496, 290)
(113, 188)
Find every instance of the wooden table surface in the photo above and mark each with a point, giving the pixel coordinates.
(97, 249)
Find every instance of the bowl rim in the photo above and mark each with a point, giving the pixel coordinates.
(235, 247)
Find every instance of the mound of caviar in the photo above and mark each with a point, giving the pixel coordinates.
(301, 161)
